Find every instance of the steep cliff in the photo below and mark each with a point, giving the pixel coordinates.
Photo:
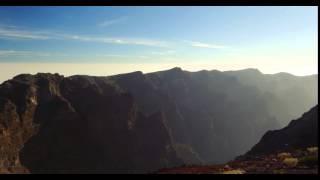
(80, 124)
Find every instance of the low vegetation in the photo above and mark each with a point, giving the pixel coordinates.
(299, 161)
(291, 162)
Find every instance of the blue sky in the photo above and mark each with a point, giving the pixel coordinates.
(217, 36)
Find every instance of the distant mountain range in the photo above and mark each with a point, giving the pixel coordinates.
(137, 123)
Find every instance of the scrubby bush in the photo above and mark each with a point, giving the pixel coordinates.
(284, 155)
(291, 162)
(235, 171)
(313, 150)
(309, 161)
(279, 171)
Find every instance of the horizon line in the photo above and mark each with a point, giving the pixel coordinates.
(128, 71)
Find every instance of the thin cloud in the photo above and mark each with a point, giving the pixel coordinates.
(125, 41)
(162, 53)
(7, 26)
(133, 41)
(13, 33)
(112, 21)
(17, 33)
(205, 45)
(7, 53)
(122, 56)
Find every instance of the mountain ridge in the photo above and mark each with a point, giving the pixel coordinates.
(204, 117)
(175, 68)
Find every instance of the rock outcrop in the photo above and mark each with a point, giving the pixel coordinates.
(80, 124)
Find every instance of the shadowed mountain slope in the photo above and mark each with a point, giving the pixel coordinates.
(79, 124)
(139, 122)
(300, 133)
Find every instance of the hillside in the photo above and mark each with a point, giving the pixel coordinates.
(52, 124)
(135, 122)
(300, 133)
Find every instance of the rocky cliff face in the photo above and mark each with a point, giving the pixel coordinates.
(300, 133)
(132, 122)
(80, 124)
(210, 111)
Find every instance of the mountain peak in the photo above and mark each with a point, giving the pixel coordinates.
(22, 76)
(283, 74)
(172, 71)
(137, 75)
(175, 69)
(134, 73)
(251, 70)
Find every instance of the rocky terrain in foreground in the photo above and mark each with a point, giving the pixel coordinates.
(299, 161)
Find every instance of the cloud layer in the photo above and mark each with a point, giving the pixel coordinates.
(205, 45)
(7, 53)
(18, 33)
(109, 22)
(12, 32)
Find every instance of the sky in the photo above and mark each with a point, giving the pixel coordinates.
(112, 40)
